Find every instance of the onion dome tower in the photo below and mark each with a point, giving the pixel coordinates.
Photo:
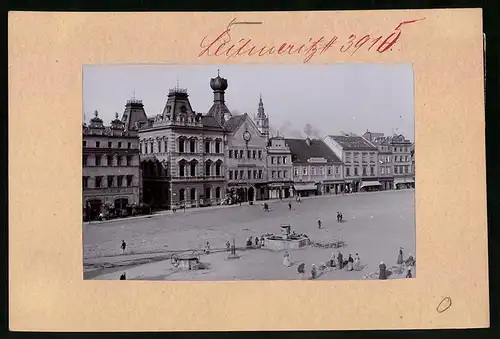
(219, 109)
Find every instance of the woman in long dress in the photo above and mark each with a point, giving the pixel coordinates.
(410, 261)
(400, 256)
(332, 260)
(383, 271)
(357, 263)
(286, 259)
(340, 260)
(313, 271)
(350, 262)
(302, 270)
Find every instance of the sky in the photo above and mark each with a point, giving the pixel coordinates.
(332, 98)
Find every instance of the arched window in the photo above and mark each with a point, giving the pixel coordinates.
(182, 194)
(192, 168)
(182, 168)
(217, 193)
(193, 193)
(181, 145)
(192, 145)
(217, 146)
(208, 193)
(218, 166)
(208, 168)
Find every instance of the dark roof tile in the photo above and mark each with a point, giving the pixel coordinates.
(353, 142)
(234, 122)
(210, 121)
(301, 151)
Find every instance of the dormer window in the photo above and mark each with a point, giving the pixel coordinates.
(169, 108)
(183, 109)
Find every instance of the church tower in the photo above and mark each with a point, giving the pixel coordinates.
(262, 120)
(219, 109)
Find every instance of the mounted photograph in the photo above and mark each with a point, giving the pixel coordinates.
(248, 172)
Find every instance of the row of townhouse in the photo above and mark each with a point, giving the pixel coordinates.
(351, 163)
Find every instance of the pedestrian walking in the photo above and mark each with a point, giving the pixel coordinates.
(289, 206)
(123, 246)
(262, 242)
(228, 245)
(350, 262)
(400, 256)
(207, 248)
(338, 217)
(123, 276)
(256, 242)
(319, 223)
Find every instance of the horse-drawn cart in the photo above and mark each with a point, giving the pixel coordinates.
(186, 261)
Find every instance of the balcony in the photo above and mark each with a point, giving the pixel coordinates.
(199, 178)
(116, 190)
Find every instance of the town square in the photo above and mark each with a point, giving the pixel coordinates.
(376, 225)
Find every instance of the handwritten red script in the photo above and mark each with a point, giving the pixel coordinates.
(224, 46)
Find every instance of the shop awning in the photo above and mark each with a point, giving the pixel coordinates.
(305, 187)
(404, 181)
(370, 183)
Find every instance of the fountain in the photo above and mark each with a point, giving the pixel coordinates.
(286, 240)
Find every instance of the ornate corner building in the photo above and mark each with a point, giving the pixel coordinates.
(111, 176)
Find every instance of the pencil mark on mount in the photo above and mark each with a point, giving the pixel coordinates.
(444, 305)
(234, 22)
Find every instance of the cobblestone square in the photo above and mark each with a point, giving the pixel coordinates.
(375, 225)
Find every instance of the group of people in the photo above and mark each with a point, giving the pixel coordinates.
(408, 264)
(340, 217)
(257, 243)
(349, 264)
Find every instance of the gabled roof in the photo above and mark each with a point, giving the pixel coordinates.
(234, 122)
(301, 151)
(381, 141)
(210, 122)
(353, 142)
(398, 139)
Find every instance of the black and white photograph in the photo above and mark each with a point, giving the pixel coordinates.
(248, 172)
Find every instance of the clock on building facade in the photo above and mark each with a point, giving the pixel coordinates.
(247, 136)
